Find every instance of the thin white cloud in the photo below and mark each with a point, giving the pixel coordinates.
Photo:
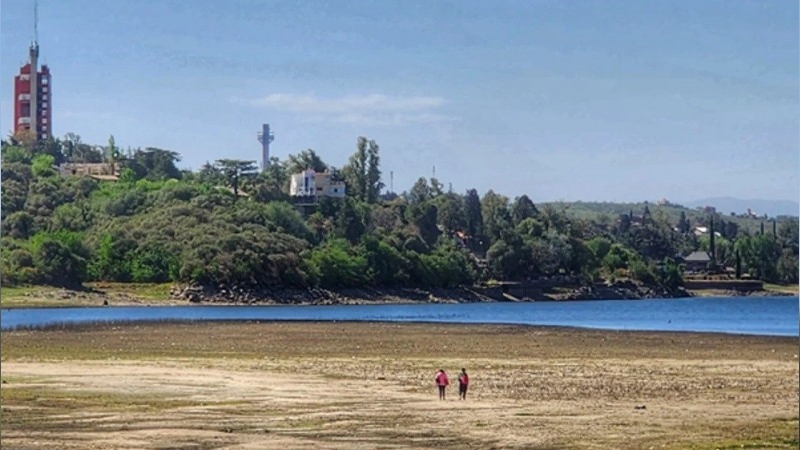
(373, 109)
(392, 119)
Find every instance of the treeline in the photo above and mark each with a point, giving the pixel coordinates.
(229, 224)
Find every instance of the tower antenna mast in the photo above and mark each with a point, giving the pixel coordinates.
(35, 21)
(265, 137)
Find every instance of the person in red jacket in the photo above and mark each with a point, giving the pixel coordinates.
(463, 382)
(442, 382)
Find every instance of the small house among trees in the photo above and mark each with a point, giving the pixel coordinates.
(697, 261)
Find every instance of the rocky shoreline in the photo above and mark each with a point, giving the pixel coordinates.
(622, 291)
(222, 295)
(316, 296)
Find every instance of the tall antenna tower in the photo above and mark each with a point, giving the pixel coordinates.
(33, 60)
(35, 22)
(265, 137)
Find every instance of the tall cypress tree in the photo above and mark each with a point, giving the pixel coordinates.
(738, 265)
(711, 241)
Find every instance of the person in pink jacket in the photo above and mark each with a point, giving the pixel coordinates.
(463, 383)
(442, 382)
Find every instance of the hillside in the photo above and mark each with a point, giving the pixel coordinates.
(726, 205)
(600, 211)
(235, 229)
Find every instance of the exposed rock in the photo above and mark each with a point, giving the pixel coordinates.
(269, 295)
(317, 296)
(623, 290)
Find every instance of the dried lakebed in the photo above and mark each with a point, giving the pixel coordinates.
(368, 385)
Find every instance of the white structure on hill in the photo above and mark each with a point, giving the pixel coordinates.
(315, 184)
(265, 137)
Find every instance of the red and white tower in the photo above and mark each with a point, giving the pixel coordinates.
(33, 92)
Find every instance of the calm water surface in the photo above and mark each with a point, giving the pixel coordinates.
(777, 316)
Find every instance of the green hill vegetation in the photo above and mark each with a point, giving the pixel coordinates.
(228, 224)
(607, 211)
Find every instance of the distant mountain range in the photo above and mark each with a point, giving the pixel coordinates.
(726, 205)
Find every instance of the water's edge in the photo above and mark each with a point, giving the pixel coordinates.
(123, 322)
(759, 316)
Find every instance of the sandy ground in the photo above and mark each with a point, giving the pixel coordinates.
(351, 386)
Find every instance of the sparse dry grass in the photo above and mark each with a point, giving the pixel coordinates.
(359, 385)
(786, 288)
(93, 295)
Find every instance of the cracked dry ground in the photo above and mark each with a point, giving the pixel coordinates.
(363, 385)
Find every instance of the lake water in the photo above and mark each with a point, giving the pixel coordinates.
(776, 316)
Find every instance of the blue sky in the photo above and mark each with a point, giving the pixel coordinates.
(590, 100)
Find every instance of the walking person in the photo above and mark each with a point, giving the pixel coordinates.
(463, 383)
(441, 382)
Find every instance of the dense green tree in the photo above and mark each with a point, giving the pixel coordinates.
(152, 262)
(320, 225)
(788, 235)
(425, 218)
(307, 159)
(436, 187)
(618, 257)
(14, 154)
(522, 209)
(450, 212)
(210, 174)
(285, 218)
(600, 246)
(652, 241)
(14, 196)
(496, 215)
(236, 172)
(362, 172)
(18, 225)
(276, 176)
(16, 263)
(17, 171)
(338, 266)
(683, 223)
(420, 192)
(760, 255)
(77, 151)
(152, 163)
(111, 259)
(351, 220)
(71, 217)
(387, 266)
(530, 228)
(373, 175)
(59, 259)
(42, 166)
(787, 267)
(556, 219)
(474, 215)
(507, 261)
